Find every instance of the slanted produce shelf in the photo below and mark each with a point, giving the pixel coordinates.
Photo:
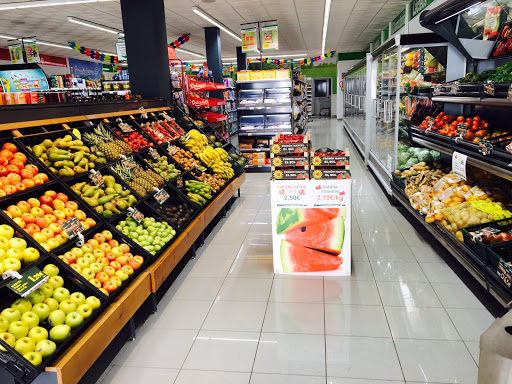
(498, 162)
(486, 101)
(463, 254)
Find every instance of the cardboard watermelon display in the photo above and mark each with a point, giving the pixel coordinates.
(296, 258)
(325, 236)
(289, 219)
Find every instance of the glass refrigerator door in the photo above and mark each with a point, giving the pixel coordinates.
(355, 99)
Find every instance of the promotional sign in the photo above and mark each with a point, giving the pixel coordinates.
(311, 227)
(16, 53)
(417, 6)
(31, 51)
(23, 80)
(121, 51)
(459, 164)
(250, 39)
(86, 69)
(398, 22)
(269, 38)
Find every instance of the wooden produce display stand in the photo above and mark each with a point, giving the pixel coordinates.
(74, 362)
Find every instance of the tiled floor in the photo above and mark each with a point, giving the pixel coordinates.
(402, 317)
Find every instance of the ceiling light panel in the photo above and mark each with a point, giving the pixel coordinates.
(45, 3)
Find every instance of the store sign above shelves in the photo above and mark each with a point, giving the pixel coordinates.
(198, 102)
(200, 86)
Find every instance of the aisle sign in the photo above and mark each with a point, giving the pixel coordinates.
(269, 38)
(16, 53)
(31, 51)
(311, 227)
(417, 6)
(459, 164)
(250, 39)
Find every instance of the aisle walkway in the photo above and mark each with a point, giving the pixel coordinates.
(402, 317)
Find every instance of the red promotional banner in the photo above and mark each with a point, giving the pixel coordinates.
(198, 102)
(199, 86)
(213, 117)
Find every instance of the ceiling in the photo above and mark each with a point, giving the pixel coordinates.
(352, 24)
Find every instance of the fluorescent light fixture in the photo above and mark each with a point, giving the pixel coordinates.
(44, 3)
(90, 24)
(7, 37)
(188, 52)
(295, 55)
(327, 11)
(215, 22)
(53, 44)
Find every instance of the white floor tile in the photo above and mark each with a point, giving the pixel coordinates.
(211, 377)
(291, 354)
(421, 323)
(474, 349)
(297, 291)
(268, 378)
(397, 271)
(456, 296)
(211, 267)
(341, 380)
(382, 236)
(356, 320)
(223, 351)
(396, 253)
(426, 254)
(439, 273)
(218, 251)
(294, 318)
(255, 268)
(180, 314)
(407, 294)
(351, 292)
(137, 375)
(235, 316)
(436, 361)
(360, 271)
(471, 323)
(241, 289)
(198, 288)
(362, 357)
(359, 253)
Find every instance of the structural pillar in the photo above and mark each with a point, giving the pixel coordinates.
(241, 59)
(214, 57)
(146, 48)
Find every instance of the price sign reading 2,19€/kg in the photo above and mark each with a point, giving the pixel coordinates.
(32, 279)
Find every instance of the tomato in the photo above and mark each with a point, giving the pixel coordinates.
(484, 125)
(9, 147)
(476, 118)
(460, 119)
(481, 133)
(476, 140)
(446, 118)
(469, 136)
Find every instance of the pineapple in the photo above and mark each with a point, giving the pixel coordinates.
(106, 143)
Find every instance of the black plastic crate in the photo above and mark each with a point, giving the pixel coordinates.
(159, 137)
(134, 250)
(147, 211)
(115, 127)
(17, 365)
(476, 245)
(500, 260)
(161, 152)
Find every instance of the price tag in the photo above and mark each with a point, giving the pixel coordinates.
(179, 181)
(125, 128)
(489, 88)
(437, 90)
(200, 167)
(430, 125)
(129, 162)
(504, 273)
(455, 87)
(173, 150)
(185, 138)
(143, 113)
(509, 94)
(31, 280)
(161, 196)
(135, 214)
(485, 147)
(154, 153)
(461, 130)
(459, 164)
(96, 177)
(72, 227)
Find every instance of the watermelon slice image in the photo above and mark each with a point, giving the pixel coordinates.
(295, 258)
(325, 236)
(289, 219)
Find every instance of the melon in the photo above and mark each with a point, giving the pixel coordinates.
(289, 219)
(295, 258)
(325, 236)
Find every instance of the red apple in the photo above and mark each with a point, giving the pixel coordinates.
(45, 199)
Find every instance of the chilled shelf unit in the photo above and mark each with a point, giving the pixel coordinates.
(300, 100)
(309, 104)
(230, 110)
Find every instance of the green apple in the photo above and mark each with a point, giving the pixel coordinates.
(30, 319)
(87, 273)
(11, 263)
(18, 329)
(95, 267)
(52, 303)
(47, 289)
(9, 339)
(14, 253)
(37, 334)
(36, 297)
(56, 282)
(82, 262)
(61, 294)
(74, 320)
(86, 248)
(91, 257)
(93, 302)
(60, 333)
(30, 255)
(34, 358)
(56, 317)
(42, 310)
(51, 270)
(122, 275)
(24, 345)
(67, 306)
(4, 324)
(23, 305)
(85, 310)
(6, 231)
(78, 298)
(46, 348)
(17, 243)
(11, 314)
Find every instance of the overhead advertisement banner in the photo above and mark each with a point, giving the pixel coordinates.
(250, 39)
(121, 51)
(86, 69)
(31, 51)
(16, 53)
(269, 38)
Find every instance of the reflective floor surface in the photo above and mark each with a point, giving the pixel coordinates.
(402, 317)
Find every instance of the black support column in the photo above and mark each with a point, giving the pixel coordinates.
(241, 59)
(214, 56)
(146, 47)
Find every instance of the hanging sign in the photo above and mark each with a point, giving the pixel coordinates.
(16, 53)
(398, 22)
(31, 51)
(250, 39)
(121, 50)
(269, 38)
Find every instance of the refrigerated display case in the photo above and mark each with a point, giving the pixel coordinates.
(354, 101)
